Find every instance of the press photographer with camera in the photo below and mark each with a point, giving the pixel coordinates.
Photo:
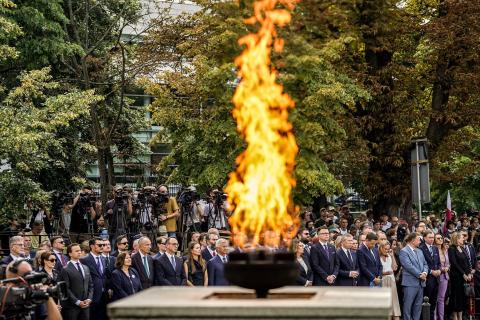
(216, 211)
(24, 290)
(118, 209)
(167, 210)
(83, 214)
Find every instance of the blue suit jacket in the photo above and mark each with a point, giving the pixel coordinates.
(345, 265)
(98, 279)
(433, 262)
(216, 274)
(413, 265)
(322, 264)
(369, 268)
(121, 285)
(165, 275)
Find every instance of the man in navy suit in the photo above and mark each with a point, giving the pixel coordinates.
(58, 245)
(469, 250)
(143, 262)
(169, 268)
(431, 254)
(414, 277)
(323, 260)
(98, 270)
(215, 267)
(347, 263)
(209, 252)
(369, 262)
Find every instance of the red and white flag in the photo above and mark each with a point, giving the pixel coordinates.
(448, 213)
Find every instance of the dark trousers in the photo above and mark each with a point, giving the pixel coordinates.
(98, 310)
(75, 313)
(431, 291)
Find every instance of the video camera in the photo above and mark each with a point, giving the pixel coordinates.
(87, 200)
(187, 196)
(20, 295)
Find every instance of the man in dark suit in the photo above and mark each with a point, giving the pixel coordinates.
(58, 245)
(79, 286)
(323, 260)
(98, 270)
(369, 262)
(215, 267)
(347, 263)
(169, 268)
(209, 252)
(143, 262)
(122, 245)
(16, 245)
(431, 255)
(469, 250)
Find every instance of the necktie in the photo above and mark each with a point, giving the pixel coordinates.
(79, 269)
(99, 265)
(325, 247)
(62, 259)
(145, 266)
(173, 262)
(373, 255)
(431, 250)
(214, 253)
(224, 259)
(350, 256)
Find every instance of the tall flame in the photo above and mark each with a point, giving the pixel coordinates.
(260, 188)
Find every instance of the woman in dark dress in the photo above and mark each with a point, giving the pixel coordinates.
(46, 265)
(195, 266)
(460, 272)
(125, 280)
(305, 274)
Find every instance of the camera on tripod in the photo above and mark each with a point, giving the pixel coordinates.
(20, 295)
(87, 200)
(188, 195)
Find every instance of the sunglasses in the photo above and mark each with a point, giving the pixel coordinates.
(100, 245)
(52, 260)
(123, 243)
(61, 242)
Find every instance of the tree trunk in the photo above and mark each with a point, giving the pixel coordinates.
(111, 171)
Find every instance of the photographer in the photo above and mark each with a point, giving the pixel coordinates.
(117, 211)
(83, 213)
(167, 210)
(216, 210)
(22, 268)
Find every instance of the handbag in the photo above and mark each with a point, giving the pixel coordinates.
(469, 290)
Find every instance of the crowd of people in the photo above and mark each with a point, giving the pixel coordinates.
(423, 258)
(414, 259)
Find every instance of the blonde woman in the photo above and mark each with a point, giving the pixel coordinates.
(388, 280)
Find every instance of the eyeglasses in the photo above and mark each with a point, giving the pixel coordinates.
(100, 245)
(123, 243)
(173, 244)
(61, 242)
(324, 233)
(52, 260)
(439, 238)
(19, 244)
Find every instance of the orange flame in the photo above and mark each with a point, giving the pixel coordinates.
(260, 188)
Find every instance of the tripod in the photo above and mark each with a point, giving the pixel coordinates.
(186, 227)
(145, 222)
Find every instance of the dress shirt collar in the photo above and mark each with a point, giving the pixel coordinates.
(15, 258)
(169, 256)
(411, 248)
(95, 256)
(211, 251)
(323, 243)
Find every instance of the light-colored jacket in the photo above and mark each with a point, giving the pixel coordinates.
(413, 264)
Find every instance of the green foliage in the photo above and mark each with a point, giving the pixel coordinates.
(193, 102)
(9, 31)
(31, 117)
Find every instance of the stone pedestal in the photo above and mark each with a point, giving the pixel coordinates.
(297, 303)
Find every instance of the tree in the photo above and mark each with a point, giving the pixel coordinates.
(31, 115)
(105, 63)
(193, 101)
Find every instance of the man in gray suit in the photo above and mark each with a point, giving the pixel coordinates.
(79, 286)
(415, 271)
